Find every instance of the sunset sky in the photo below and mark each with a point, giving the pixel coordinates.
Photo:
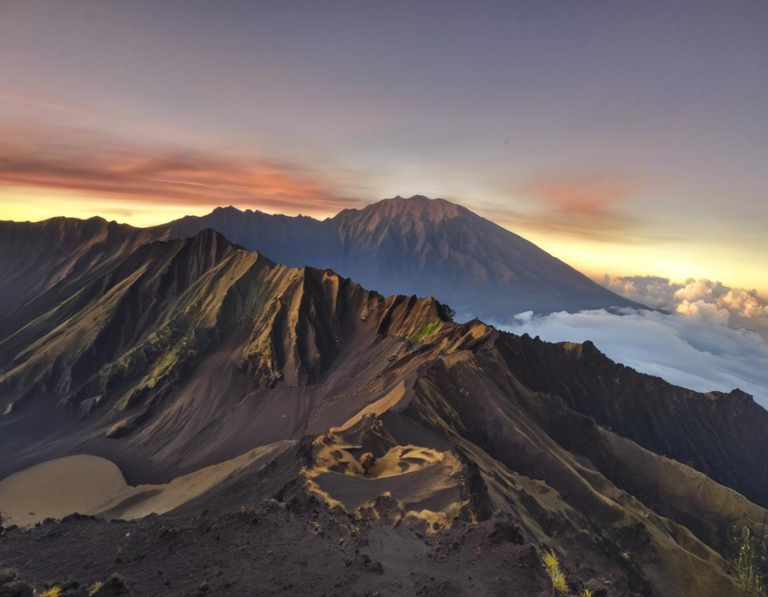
(624, 137)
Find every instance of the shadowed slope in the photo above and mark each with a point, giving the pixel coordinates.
(60, 253)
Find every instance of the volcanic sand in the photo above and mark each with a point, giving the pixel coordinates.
(95, 486)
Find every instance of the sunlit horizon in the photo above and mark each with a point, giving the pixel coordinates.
(598, 148)
(594, 259)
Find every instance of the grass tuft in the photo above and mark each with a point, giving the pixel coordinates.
(426, 330)
(555, 574)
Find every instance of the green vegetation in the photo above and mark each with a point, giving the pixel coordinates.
(447, 313)
(751, 566)
(426, 330)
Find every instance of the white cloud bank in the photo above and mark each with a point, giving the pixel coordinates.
(686, 351)
(702, 300)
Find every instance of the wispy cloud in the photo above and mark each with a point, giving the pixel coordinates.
(580, 194)
(585, 206)
(98, 166)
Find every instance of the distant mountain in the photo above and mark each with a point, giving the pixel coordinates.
(416, 246)
(166, 357)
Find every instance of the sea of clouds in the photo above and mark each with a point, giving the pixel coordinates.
(696, 352)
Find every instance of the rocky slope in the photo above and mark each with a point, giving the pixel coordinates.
(398, 246)
(44, 262)
(416, 245)
(180, 355)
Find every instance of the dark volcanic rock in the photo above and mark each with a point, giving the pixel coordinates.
(505, 530)
(114, 585)
(17, 588)
(11, 586)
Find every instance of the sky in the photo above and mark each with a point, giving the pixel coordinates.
(626, 138)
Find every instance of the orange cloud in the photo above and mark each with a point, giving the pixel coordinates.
(580, 195)
(104, 167)
(583, 206)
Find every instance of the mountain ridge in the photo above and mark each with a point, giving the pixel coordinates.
(417, 245)
(398, 246)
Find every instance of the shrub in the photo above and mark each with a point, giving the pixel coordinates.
(750, 564)
(555, 574)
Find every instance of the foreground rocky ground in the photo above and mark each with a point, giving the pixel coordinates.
(294, 547)
(263, 533)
